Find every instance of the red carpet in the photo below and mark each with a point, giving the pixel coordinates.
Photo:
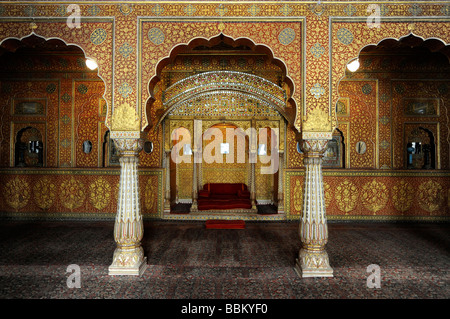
(225, 224)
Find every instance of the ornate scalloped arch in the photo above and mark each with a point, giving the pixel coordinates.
(197, 41)
(2, 41)
(350, 56)
(230, 83)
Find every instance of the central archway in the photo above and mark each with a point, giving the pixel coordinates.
(219, 81)
(221, 45)
(238, 86)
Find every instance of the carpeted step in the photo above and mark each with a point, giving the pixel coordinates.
(224, 224)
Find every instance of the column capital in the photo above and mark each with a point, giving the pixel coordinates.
(128, 146)
(317, 135)
(314, 147)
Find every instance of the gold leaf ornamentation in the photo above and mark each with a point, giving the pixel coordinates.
(151, 196)
(72, 193)
(298, 196)
(17, 193)
(430, 196)
(402, 196)
(125, 118)
(44, 192)
(100, 193)
(327, 193)
(346, 196)
(374, 196)
(317, 121)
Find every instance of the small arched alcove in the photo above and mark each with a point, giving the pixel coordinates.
(398, 95)
(29, 148)
(46, 84)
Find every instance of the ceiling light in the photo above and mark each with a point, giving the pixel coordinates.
(91, 64)
(353, 66)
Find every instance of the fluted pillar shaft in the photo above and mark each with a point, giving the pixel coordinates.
(313, 259)
(128, 257)
(253, 184)
(194, 206)
(280, 183)
(167, 185)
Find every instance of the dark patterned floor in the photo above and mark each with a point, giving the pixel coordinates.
(185, 260)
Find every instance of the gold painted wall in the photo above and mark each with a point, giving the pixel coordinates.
(228, 171)
(313, 40)
(374, 107)
(376, 195)
(73, 109)
(73, 193)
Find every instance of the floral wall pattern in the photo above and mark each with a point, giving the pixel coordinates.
(368, 195)
(313, 40)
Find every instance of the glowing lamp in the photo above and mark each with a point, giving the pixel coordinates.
(353, 66)
(91, 64)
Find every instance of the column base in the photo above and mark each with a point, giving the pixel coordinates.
(280, 209)
(194, 207)
(167, 208)
(128, 271)
(128, 262)
(313, 264)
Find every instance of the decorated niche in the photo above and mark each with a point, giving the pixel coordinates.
(29, 148)
(110, 153)
(230, 165)
(420, 149)
(45, 84)
(335, 153)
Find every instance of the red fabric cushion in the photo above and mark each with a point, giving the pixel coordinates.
(243, 194)
(203, 193)
(224, 196)
(206, 204)
(226, 188)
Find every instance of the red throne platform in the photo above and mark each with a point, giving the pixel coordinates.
(225, 224)
(218, 196)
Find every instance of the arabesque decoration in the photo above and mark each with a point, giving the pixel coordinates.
(317, 120)
(72, 193)
(374, 195)
(298, 196)
(402, 196)
(184, 32)
(17, 192)
(151, 196)
(125, 118)
(44, 192)
(100, 193)
(346, 196)
(430, 196)
(328, 193)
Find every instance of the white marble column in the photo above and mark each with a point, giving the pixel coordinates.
(194, 206)
(128, 257)
(280, 208)
(313, 258)
(200, 176)
(252, 184)
(167, 185)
